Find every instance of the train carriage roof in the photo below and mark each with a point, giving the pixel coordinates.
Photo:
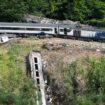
(7, 24)
(31, 25)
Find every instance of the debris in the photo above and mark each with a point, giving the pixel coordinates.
(56, 46)
(97, 50)
(4, 39)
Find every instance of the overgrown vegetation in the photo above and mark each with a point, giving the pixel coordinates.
(81, 83)
(15, 87)
(85, 82)
(85, 11)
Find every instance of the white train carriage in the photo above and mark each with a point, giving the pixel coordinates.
(75, 33)
(88, 34)
(49, 29)
(27, 28)
(28, 31)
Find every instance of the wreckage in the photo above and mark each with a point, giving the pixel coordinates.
(3, 39)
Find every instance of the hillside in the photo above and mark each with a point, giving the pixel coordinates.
(86, 11)
(66, 64)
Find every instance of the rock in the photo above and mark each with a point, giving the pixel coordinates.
(97, 50)
(47, 46)
(40, 19)
(52, 46)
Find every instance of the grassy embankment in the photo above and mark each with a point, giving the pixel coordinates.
(83, 81)
(15, 87)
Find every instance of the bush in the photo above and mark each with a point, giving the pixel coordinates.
(15, 87)
(83, 100)
(98, 23)
(85, 81)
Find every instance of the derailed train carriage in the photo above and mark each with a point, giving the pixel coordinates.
(60, 30)
(81, 33)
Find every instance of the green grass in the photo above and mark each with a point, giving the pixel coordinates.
(15, 87)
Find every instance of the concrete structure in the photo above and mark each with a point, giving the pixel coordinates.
(37, 75)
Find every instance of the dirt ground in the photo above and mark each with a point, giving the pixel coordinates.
(75, 49)
(56, 61)
(65, 55)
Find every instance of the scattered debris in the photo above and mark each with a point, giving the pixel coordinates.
(4, 39)
(52, 46)
(97, 50)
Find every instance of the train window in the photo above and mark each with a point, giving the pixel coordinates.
(55, 29)
(46, 29)
(38, 87)
(38, 82)
(61, 30)
(68, 30)
(65, 31)
(18, 28)
(11, 28)
(36, 29)
(37, 73)
(35, 60)
(36, 66)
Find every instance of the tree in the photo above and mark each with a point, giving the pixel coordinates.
(12, 10)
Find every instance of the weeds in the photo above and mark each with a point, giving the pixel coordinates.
(15, 87)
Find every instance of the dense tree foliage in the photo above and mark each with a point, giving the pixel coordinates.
(11, 10)
(86, 11)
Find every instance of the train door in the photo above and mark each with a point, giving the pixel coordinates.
(55, 31)
(65, 31)
(77, 33)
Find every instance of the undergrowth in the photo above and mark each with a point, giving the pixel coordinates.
(15, 87)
